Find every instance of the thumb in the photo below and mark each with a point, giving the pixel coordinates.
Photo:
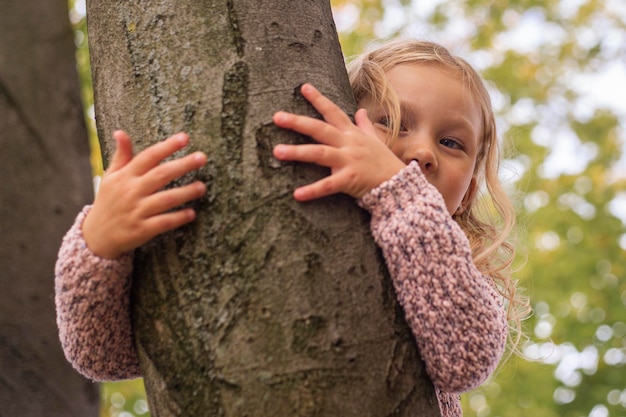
(123, 151)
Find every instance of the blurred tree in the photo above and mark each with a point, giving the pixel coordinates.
(263, 306)
(79, 25)
(45, 181)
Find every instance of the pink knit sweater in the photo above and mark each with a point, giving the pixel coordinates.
(454, 311)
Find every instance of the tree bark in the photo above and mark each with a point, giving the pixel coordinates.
(263, 306)
(45, 180)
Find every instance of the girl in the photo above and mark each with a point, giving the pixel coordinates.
(423, 148)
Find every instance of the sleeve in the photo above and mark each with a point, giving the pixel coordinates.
(453, 310)
(92, 297)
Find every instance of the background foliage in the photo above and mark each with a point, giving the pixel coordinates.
(556, 69)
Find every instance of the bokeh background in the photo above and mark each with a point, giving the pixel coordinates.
(557, 73)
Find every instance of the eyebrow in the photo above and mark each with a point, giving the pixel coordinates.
(473, 138)
(463, 123)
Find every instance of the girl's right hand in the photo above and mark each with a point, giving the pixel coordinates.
(131, 208)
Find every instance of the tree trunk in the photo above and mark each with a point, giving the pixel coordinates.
(45, 180)
(263, 306)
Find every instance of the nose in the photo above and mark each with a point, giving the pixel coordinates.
(426, 159)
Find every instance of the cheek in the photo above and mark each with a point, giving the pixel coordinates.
(396, 147)
(462, 185)
(383, 136)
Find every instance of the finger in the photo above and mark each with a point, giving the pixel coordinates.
(166, 200)
(317, 154)
(364, 123)
(322, 188)
(123, 151)
(168, 221)
(167, 172)
(329, 110)
(315, 128)
(155, 154)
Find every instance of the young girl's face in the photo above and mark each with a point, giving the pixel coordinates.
(441, 128)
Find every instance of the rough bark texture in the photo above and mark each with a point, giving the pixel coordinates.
(263, 306)
(45, 179)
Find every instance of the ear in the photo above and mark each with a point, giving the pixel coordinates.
(468, 197)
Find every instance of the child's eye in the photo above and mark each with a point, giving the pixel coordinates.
(451, 143)
(386, 122)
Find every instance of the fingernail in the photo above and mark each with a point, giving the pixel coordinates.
(181, 138)
(200, 157)
(201, 188)
(280, 116)
(298, 194)
(279, 151)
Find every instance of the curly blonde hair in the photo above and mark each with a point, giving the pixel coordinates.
(487, 222)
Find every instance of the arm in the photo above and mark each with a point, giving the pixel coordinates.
(93, 270)
(92, 296)
(454, 311)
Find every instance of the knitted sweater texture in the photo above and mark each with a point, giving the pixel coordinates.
(454, 311)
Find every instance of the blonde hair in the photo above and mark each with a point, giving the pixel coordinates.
(486, 222)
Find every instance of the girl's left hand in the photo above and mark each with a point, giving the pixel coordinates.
(358, 159)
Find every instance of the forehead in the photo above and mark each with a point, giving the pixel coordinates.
(409, 78)
(426, 85)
